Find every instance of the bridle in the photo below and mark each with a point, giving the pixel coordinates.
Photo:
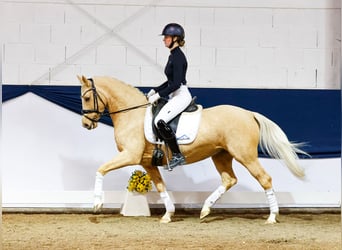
(96, 99)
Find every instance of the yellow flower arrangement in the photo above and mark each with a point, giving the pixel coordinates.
(139, 182)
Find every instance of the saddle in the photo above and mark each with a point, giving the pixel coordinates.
(192, 107)
(185, 125)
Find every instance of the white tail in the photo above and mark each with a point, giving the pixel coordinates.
(275, 143)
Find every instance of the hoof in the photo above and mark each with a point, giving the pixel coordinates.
(166, 218)
(98, 204)
(270, 222)
(97, 208)
(271, 219)
(205, 212)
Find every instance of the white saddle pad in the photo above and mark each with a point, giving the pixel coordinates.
(187, 126)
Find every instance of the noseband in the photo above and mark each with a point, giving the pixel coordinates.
(96, 110)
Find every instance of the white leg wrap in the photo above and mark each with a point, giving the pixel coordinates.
(98, 185)
(272, 200)
(167, 202)
(210, 201)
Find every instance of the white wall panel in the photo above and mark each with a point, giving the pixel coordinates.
(169, 15)
(111, 55)
(273, 38)
(259, 56)
(89, 34)
(18, 12)
(199, 16)
(48, 13)
(35, 33)
(290, 28)
(83, 58)
(272, 76)
(65, 34)
(110, 15)
(73, 15)
(12, 31)
(18, 53)
(150, 75)
(228, 17)
(230, 57)
(303, 77)
(65, 74)
(258, 18)
(49, 53)
(29, 72)
(98, 70)
(303, 38)
(133, 59)
(200, 56)
(12, 72)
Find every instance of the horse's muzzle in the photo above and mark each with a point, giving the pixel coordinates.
(88, 124)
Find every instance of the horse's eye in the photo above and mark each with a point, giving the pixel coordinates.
(86, 99)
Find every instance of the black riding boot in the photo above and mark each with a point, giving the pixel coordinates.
(170, 139)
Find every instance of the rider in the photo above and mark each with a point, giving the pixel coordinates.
(174, 88)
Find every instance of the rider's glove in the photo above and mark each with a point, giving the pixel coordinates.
(150, 93)
(153, 98)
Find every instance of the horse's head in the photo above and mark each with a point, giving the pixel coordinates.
(93, 106)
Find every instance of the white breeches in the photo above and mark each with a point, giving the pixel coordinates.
(179, 100)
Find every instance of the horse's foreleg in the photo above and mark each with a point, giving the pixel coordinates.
(121, 160)
(98, 192)
(223, 163)
(211, 200)
(170, 207)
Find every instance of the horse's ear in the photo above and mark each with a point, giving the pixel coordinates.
(79, 78)
(83, 80)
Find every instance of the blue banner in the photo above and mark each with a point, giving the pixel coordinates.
(310, 116)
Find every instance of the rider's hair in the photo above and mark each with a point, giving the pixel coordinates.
(180, 41)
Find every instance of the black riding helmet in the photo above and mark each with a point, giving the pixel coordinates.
(173, 29)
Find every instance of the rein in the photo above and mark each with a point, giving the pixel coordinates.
(96, 110)
(127, 109)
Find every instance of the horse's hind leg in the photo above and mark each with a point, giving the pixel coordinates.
(258, 172)
(223, 162)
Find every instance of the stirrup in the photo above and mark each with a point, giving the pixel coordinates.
(176, 160)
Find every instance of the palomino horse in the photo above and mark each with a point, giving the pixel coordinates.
(225, 133)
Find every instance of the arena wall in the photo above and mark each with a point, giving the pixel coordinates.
(282, 44)
(49, 160)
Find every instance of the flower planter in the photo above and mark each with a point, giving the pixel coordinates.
(135, 205)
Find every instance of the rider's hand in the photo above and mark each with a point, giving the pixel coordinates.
(150, 93)
(153, 98)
